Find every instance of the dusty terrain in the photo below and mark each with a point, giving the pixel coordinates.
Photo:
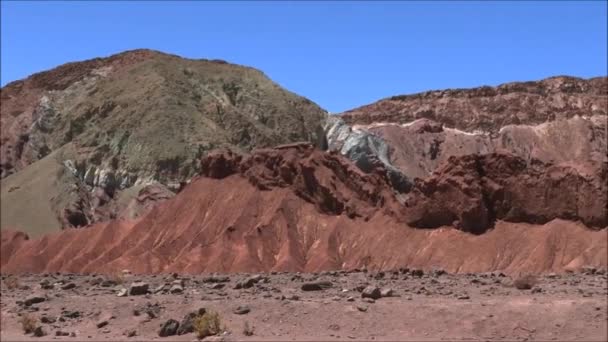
(428, 307)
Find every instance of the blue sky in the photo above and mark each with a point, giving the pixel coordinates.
(338, 54)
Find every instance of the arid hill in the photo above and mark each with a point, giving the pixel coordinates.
(132, 119)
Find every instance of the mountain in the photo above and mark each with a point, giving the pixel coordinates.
(132, 119)
(556, 120)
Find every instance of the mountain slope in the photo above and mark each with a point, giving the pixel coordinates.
(140, 117)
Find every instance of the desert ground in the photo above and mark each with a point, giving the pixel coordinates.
(408, 305)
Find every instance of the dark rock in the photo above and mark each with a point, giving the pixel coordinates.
(138, 288)
(169, 328)
(417, 273)
(102, 323)
(213, 279)
(371, 292)
(68, 286)
(316, 286)
(33, 300)
(187, 324)
(48, 319)
(39, 332)
(70, 314)
(61, 333)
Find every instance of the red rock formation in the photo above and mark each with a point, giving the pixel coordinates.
(299, 209)
(471, 192)
(490, 108)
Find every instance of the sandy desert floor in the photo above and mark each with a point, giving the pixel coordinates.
(428, 307)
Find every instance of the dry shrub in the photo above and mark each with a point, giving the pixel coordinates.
(12, 283)
(525, 282)
(207, 324)
(248, 329)
(28, 323)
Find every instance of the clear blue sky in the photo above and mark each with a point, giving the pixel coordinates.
(340, 55)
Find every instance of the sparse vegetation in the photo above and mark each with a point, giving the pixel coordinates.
(28, 323)
(525, 282)
(12, 283)
(207, 324)
(248, 329)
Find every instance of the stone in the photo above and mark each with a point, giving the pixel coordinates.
(186, 326)
(138, 288)
(369, 300)
(388, 292)
(241, 310)
(68, 286)
(362, 308)
(35, 299)
(316, 286)
(102, 323)
(122, 293)
(169, 328)
(48, 319)
(175, 289)
(160, 288)
(39, 332)
(371, 292)
(61, 333)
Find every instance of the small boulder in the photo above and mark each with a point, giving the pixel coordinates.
(241, 310)
(186, 326)
(169, 328)
(39, 332)
(176, 289)
(316, 286)
(35, 299)
(371, 292)
(122, 293)
(68, 286)
(48, 319)
(138, 288)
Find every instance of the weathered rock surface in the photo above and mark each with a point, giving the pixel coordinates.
(472, 192)
(299, 209)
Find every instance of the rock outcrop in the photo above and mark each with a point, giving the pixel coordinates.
(296, 208)
(473, 191)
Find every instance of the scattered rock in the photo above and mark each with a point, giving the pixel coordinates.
(169, 328)
(35, 299)
(102, 323)
(122, 293)
(68, 286)
(371, 292)
(316, 286)
(186, 326)
(61, 333)
(39, 332)
(214, 279)
(48, 319)
(138, 288)
(160, 288)
(241, 310)
(362, 308)
(175, 289)
(70, 314)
